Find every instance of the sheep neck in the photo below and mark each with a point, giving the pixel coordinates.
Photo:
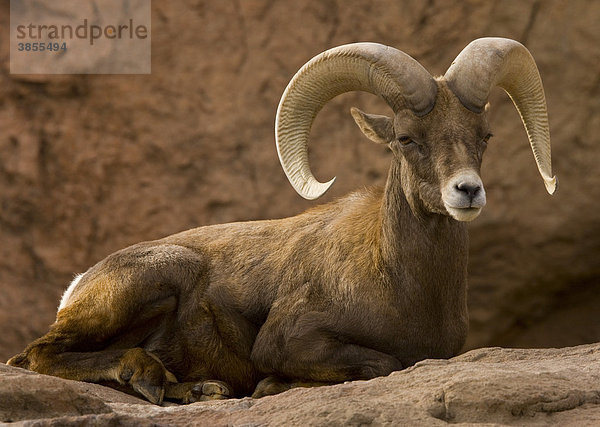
(427, 252)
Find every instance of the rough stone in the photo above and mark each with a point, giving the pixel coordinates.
(488, 386)
(25, 395)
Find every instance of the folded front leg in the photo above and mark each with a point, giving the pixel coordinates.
(135, 367)
(313, 353)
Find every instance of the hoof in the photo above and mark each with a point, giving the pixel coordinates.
(145, 373)
(208, 390)
(154, 393)
(270, 386)
(20, 361)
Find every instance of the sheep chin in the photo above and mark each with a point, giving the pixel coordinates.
(463, 214)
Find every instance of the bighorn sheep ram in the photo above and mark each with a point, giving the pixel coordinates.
(354, 289)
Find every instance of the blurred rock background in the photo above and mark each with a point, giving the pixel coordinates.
(90, 164)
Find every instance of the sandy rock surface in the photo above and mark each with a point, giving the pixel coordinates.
(489, 386)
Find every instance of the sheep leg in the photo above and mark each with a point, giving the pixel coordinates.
(113, 360)
(314, 353)
(78, 347)
(140, 369)
(113, 355)
(135, 367)
(323, 361)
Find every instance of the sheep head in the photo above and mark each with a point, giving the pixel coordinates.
(439, 129)
(439, 154)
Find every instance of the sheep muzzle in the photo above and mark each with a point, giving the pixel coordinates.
(464, 196)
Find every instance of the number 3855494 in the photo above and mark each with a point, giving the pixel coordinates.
(41, 47)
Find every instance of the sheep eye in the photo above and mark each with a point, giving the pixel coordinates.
(405, 140)
(487, 138)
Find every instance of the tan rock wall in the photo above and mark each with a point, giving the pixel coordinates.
(90, 164)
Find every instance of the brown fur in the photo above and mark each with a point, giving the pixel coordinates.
(353, 289)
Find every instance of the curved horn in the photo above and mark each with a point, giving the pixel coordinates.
(490, 62)
(400, 80)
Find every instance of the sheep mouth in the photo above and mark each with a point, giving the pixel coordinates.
(464, 214)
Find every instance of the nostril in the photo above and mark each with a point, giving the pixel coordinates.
(469, 189)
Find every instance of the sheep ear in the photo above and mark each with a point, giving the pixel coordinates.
(377, 128)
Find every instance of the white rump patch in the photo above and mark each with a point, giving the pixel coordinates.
(69, 291)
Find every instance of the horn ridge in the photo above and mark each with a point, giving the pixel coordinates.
(371, 67)
(489, 62)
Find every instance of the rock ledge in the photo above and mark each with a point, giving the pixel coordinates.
(489, 385)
